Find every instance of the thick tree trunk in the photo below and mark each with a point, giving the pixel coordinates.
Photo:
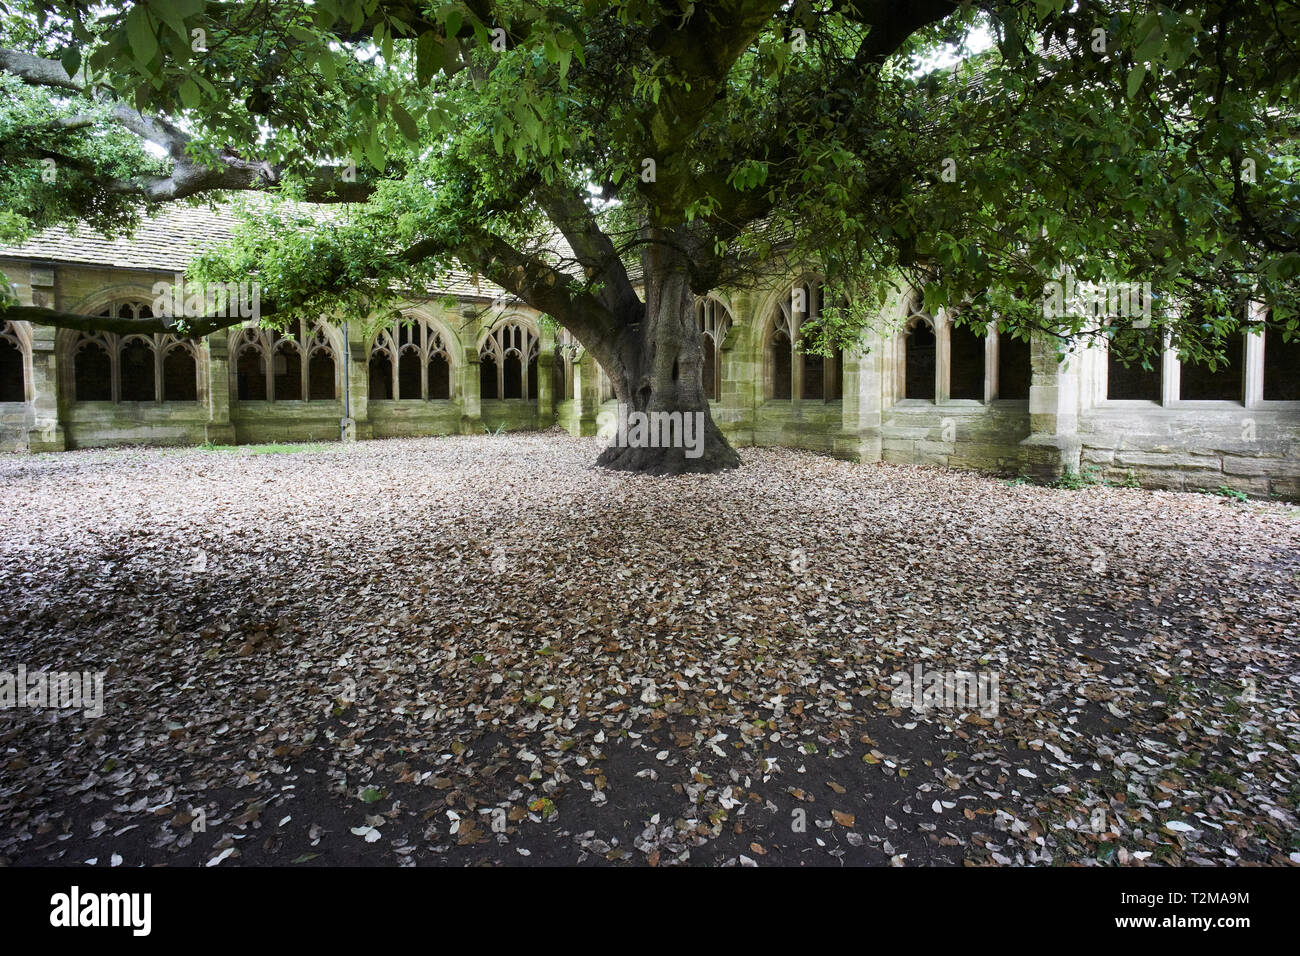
(659, 370)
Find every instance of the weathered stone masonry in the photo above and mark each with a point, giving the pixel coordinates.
(922, 392)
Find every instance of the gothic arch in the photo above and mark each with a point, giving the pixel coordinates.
(508, 360)
(713, 320)
(413, 359)
(15, 362)
(270, 365)
(788, 372)
(137, 367)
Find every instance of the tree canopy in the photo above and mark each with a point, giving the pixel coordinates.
(676, 147)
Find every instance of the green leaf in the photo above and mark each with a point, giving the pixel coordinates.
(428, 57)
(190, 95)
(1135, 77)
(404, 122)
(71, 61)
(144, 43)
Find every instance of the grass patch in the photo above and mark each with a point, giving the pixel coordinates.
(270, 448)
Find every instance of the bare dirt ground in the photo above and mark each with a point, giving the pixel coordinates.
(486, 651)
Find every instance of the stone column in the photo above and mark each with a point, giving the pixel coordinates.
(861, 418)
(1052, 447)
(215, 353)
(44, 429)
(357, 369)
(471, 396)
(586, 393)
(545, 384)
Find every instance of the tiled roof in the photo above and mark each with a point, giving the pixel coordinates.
(167, 241)
(171, 239)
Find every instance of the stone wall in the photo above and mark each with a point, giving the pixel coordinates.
(1064, 424)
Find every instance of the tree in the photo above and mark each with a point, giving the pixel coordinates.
(569, 150)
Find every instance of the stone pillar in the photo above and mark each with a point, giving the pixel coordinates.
(586, 393)
(471, 395)
(861, 439)
(742, 371)
(215, 353)
(44, 428)
(1052, 447)
(545, 383)
(357, 368)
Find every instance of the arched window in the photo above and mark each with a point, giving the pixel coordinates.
(157, 367)
(966, 363)
(13, 364)
(920, 353)
(180, 370)
(322, 385)
(509, 352)
(798, 317)
(780, 360)
(138, 372)
(287, 371)
(294, 366)
(568, 353)
(714, 322)
(250, 372)
(412, 354)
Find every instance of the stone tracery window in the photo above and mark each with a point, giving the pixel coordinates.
(568, 353)
(108, 367)
(714, 322)
(13, 363)
(410, 361)
(271, 366)
(788, 370)
(508, 362)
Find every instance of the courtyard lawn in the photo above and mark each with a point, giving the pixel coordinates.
(484, 649)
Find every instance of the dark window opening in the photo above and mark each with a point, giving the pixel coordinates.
(513, 377)
(408, 375)
(250, 376)
(1134, 383)
(93, 374)
(137, 372)
(381, 378)
(320, 378)
(532, 378)
(287, 366)
(780, 356)
(1281, 367)
(180, 376)
(12, 387)
(919, 362)
(814, 377)
(1223, 384)
(487, 378)
(966, 370)
(439, 377)
(1014, 373)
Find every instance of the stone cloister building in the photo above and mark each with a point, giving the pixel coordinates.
(923, 391)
